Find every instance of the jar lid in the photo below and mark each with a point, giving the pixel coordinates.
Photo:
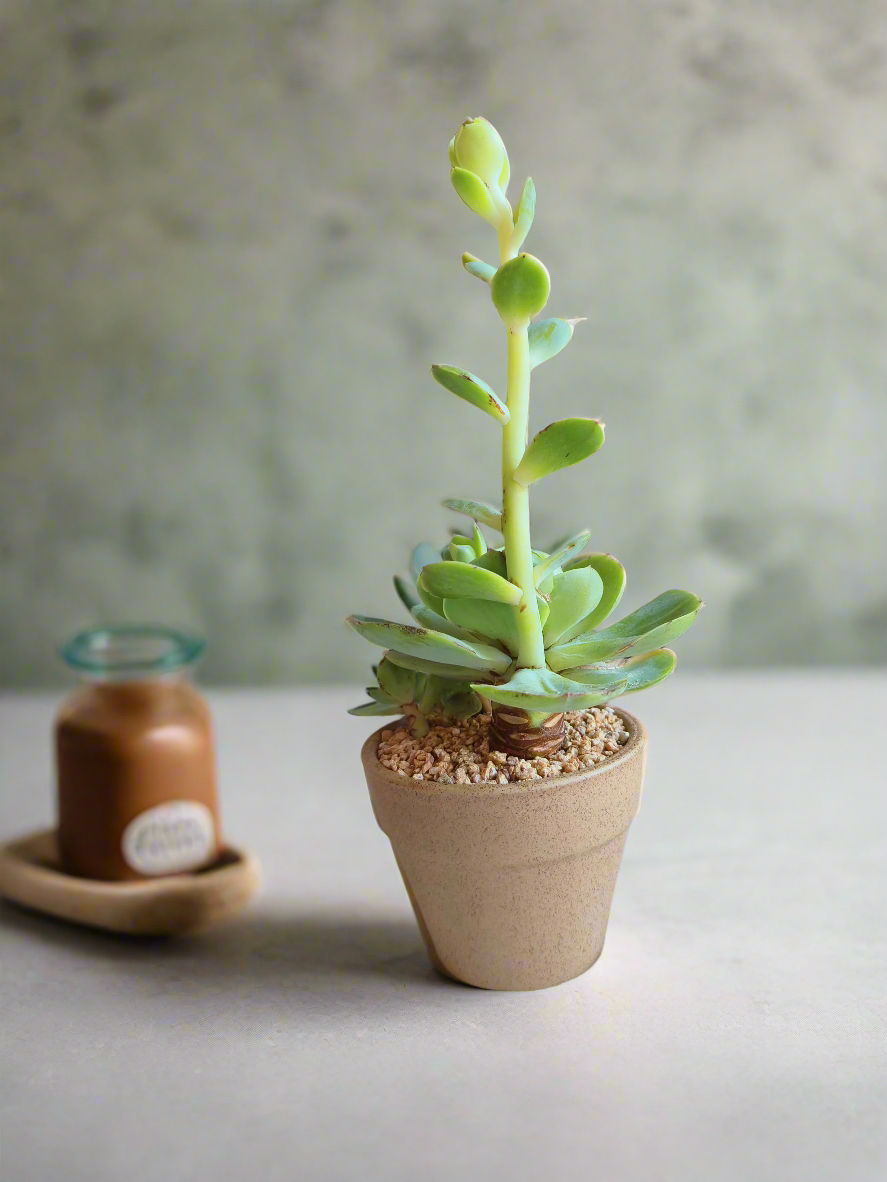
(124, 650)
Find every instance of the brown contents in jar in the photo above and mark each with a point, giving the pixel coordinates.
(124, 748)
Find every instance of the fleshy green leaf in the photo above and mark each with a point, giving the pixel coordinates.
(375, 708)
(460, 703)
(520, 288)
(640, 672)
(654, 624)
(435, 668)
(493, 560)
(552, 564)
(545, 585)
(433, 602)
(557, 446)
(479, 510)
(496, 621)
(478, 542)
(397, 683)
(461, 549)
(456, 580)
(574, 594)
(406, 592)
(540, 689)
(524, 213)
(548, 337)
(477, 267)
(434, 646)
(430, 619)
(422, 555)
(474, 193)
(544, 608)
(612, 574)
(466, 385)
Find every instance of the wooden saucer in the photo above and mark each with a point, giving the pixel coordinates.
(30, 875)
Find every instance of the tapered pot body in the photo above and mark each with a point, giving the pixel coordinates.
(512, 883)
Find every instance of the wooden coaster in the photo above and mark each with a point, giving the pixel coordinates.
(173, 905)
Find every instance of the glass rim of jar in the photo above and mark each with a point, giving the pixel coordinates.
(111, 651)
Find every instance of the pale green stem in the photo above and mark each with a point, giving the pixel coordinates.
(515, 497)
(516, 501)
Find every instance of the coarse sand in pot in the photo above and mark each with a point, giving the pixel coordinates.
(461, 754)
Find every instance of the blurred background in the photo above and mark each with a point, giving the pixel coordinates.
(230, 251)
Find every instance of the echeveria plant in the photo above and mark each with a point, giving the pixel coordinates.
(510, 629)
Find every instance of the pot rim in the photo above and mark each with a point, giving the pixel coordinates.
(637, 739)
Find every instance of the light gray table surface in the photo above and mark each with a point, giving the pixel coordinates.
(733, 1031)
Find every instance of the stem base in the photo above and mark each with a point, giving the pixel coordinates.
(512, 731)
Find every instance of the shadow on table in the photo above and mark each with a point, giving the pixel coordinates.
(258, 952)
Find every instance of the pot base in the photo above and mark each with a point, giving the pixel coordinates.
(503, 958)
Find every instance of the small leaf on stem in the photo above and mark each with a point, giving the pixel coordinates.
(474, 193)
(524, 213)
(520, 288)
(479, 510)
(466, 385)
(559, 445)
(548, 337)
(477, 267)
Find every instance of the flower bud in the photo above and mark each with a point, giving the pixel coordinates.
(477, 147)
(520, 288)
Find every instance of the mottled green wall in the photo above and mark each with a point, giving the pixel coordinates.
(230, 250)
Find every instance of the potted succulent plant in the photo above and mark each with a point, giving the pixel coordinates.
(508, 789)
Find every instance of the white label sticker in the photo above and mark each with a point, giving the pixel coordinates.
(171, 837)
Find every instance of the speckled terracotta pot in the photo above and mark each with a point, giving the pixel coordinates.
(512, 884)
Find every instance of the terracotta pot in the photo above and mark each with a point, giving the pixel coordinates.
(512, 883)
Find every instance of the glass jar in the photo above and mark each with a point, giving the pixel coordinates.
(134, 757)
